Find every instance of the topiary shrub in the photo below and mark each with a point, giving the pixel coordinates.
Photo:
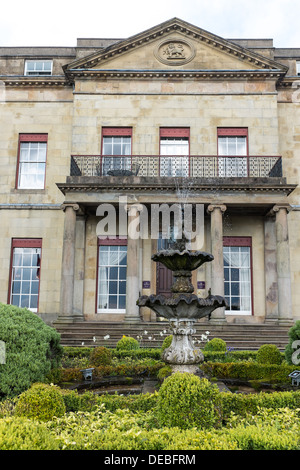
(101, 356)
(186, 401)
(166, 343)
(41, 402)
(126, 343)
(269, 354)
(215, 344)
(292, 349)
(32, 350)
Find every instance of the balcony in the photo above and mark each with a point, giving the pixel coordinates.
(191, 166)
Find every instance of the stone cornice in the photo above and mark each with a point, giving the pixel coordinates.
(135, 183)
(39, 82)
(104, 74)
(289, 82)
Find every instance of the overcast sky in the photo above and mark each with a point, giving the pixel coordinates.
(61, 22)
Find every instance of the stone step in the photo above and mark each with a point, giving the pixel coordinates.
(237, 336)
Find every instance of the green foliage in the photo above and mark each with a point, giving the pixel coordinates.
(248, 370)
(166, 342)
(242, 404)
(215, 344)
(269, 354)
(164, 372)
(268, 429)
(125, 430)
(80, 351)
(138, 353)
(229, 356)
(25, 434)
(126, 343)
(100, 356)
(32, 349)
(41, 402)
(291, 354)
(185, 400)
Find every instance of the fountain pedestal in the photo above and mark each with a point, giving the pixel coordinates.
(181, 354)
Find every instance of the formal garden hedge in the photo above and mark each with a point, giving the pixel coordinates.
(184, 413)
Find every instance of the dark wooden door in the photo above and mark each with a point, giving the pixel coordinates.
(164, 280)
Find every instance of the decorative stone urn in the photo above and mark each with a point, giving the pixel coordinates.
(183, 308)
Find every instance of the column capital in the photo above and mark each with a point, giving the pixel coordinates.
(212, 207)
(74, 206)
(277, 207)
(138, 207)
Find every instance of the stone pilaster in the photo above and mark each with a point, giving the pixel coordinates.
(271, 281)
(133, 267)
(285, 315)
(79, 274)
(217, 278)
(68, 264)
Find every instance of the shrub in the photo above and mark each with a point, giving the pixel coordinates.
(101, 356)
(244, 370)
(242, 404)
(126, 343)
(164, 372)
(40, 402)
(269, 354)
(291, 354)
(215, 344)
(185, 400)
(25, 434)
(166, 342)
(32, 350)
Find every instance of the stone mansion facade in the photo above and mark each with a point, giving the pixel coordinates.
(172, 112)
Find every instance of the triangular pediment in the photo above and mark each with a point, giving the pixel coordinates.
(175, 47)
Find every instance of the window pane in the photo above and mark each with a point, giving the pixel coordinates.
(25, 279)
(237, 279)
(38, 67)
(33, 302)
(16, 287)
(122, 302)
(112, 277)
(32, 165)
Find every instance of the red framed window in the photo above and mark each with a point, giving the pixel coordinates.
(116, 144)
(233, 151)
(25, 273)
(111, 275)
(237, 253)
(32, 156)
(174, 151)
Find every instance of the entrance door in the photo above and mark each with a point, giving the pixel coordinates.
(164, 280)
(164, 276)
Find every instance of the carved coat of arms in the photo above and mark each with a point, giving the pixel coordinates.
(175, 52)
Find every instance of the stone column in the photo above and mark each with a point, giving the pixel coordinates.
(68, 264)
(271, 282)
(79, 274)
(217, 268)
(133, 267)
(283, 264)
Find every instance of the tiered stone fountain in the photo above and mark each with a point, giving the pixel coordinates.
(183, 308)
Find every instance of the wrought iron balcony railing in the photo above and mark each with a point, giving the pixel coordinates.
(177, 166)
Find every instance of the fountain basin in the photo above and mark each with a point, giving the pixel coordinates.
(185, 260)
(182, 305)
